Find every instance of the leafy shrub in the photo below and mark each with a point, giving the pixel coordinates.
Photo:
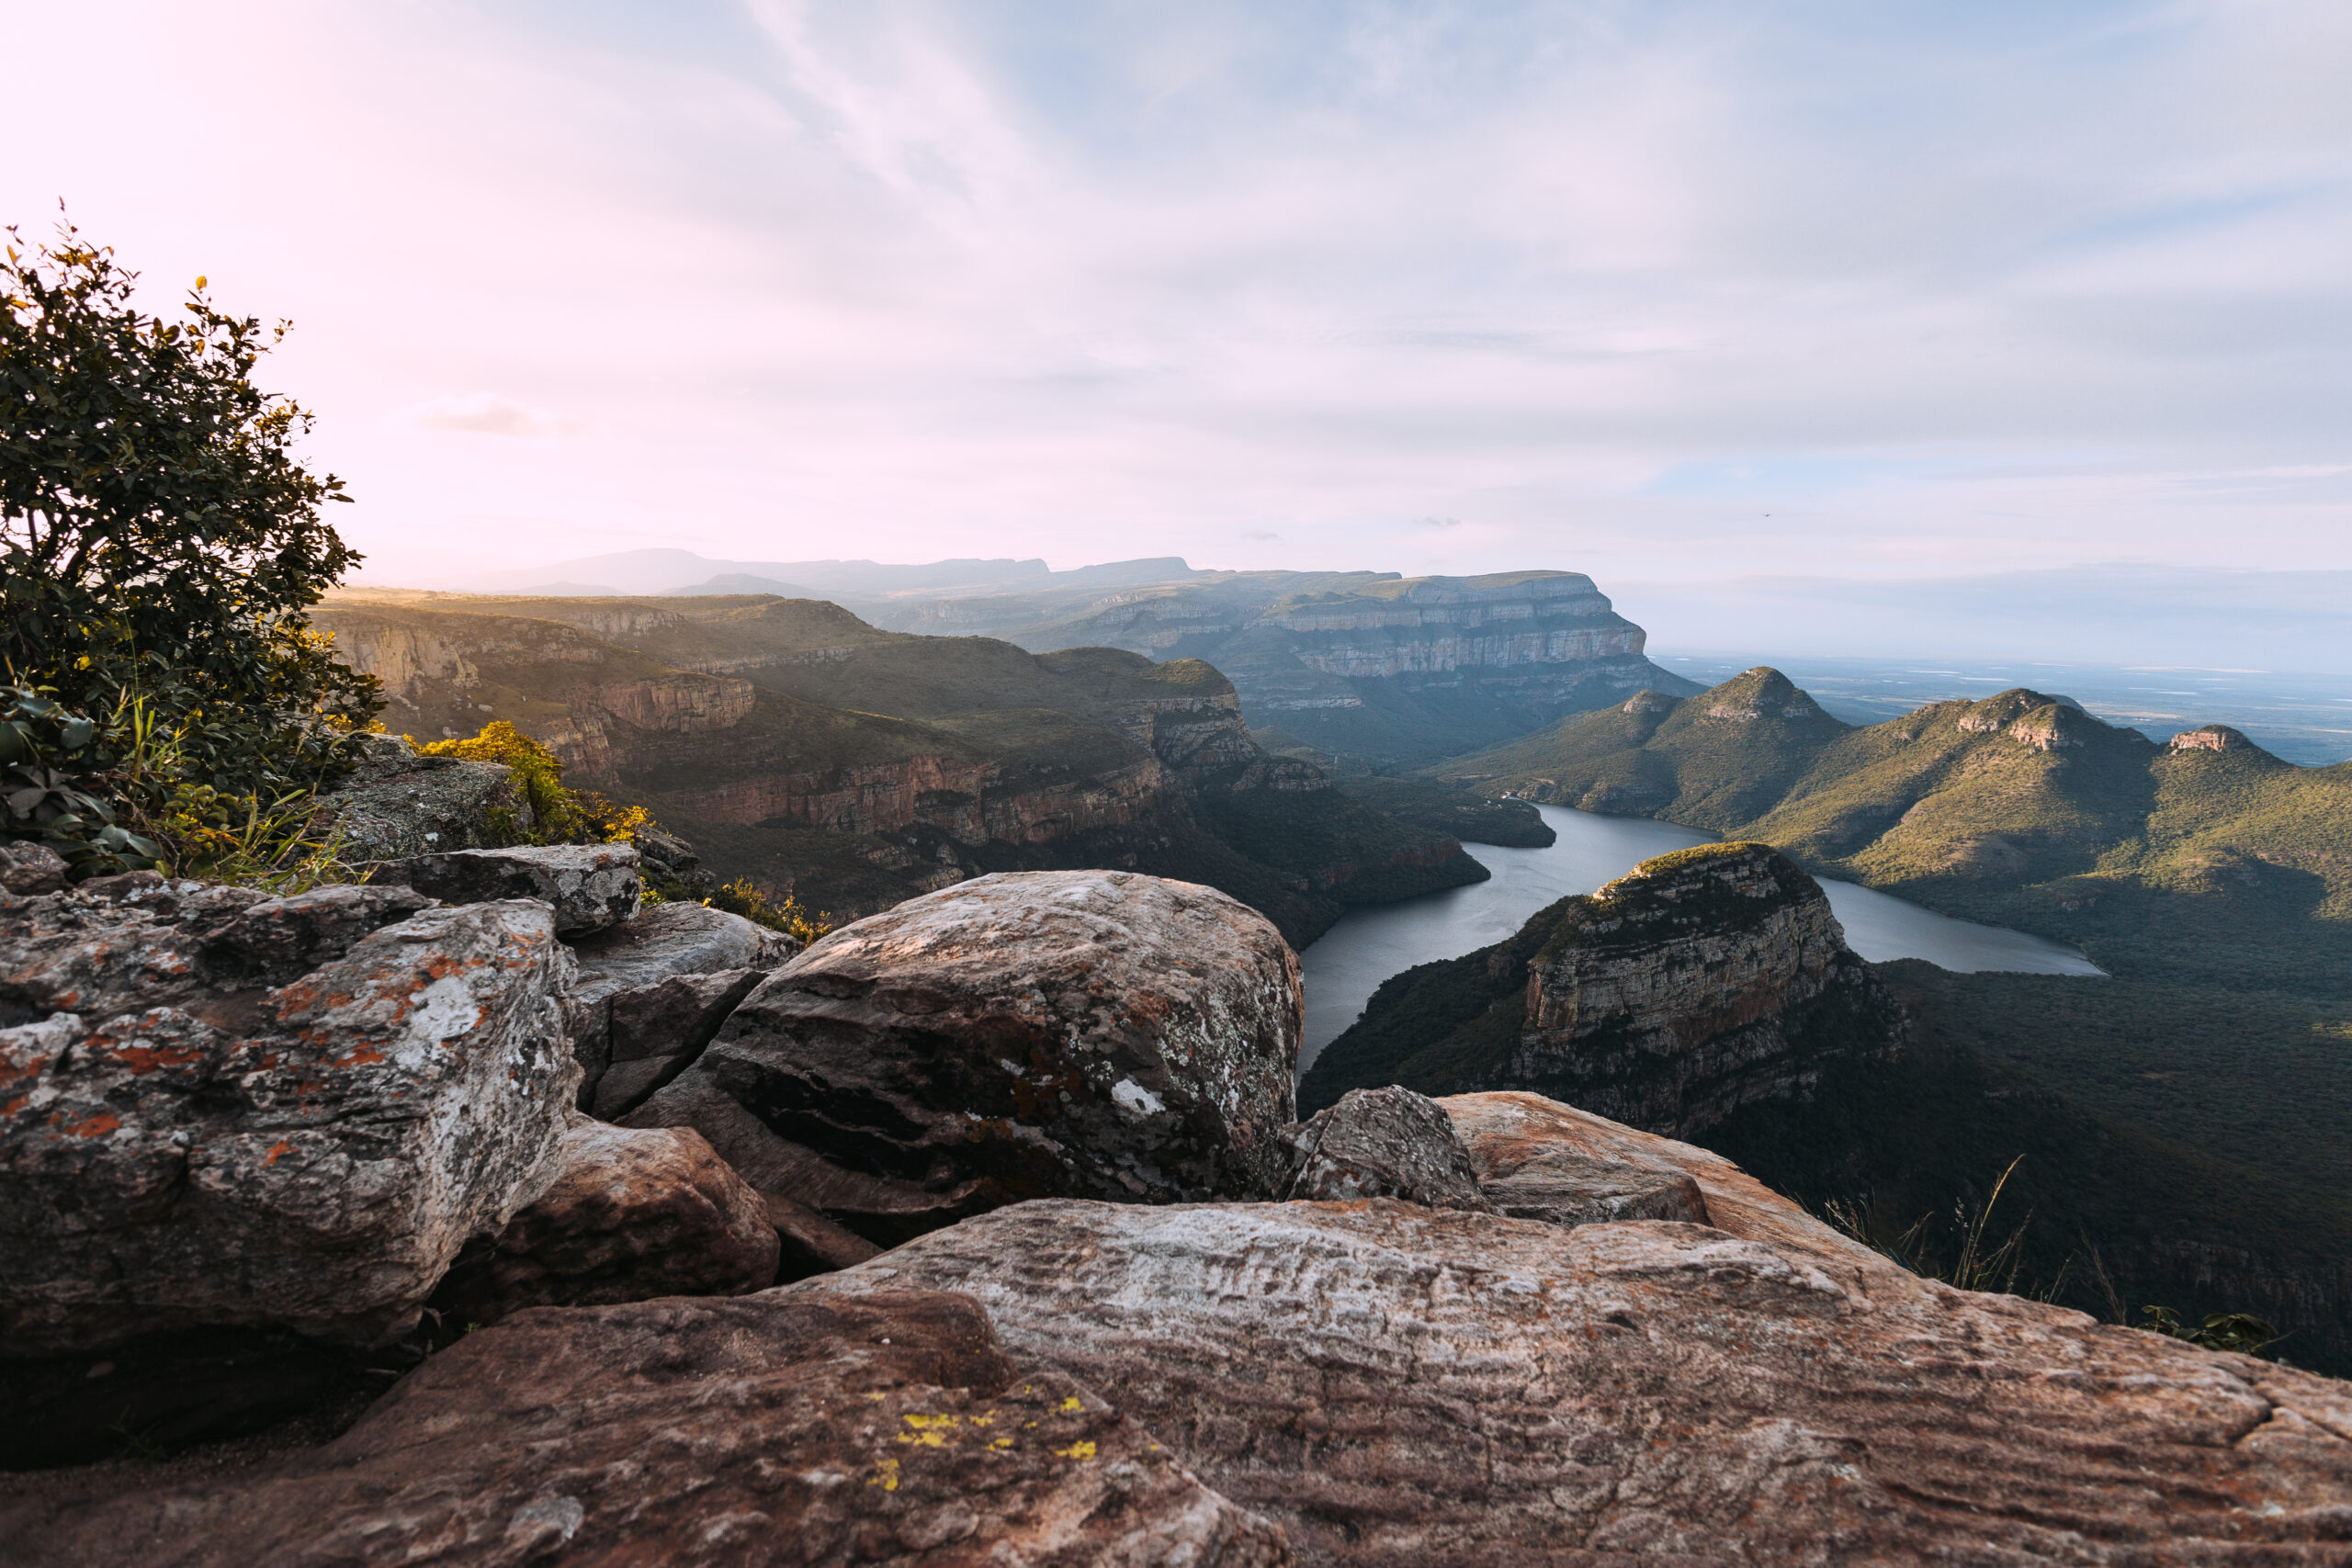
(741, 897)
(159, 543)
(558, 816)
(2239, 1331)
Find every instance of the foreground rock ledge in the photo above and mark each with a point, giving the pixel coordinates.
(769, 1429)
(1400, 1385)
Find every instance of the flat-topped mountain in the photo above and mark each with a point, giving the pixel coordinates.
(855, 767)
(1367, 663)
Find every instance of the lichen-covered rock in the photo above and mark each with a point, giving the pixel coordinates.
(1402, 1385)
(1537, 1159)
(631, 1215)
(591, 887)
(398, 804)
(1086, 1033)
(1697, 982)
(1383, 1142)
(218, 1108)
(29, 869)
(621, 1011)
(761, 1432)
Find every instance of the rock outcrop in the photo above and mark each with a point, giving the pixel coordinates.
(218, 1108)
(397, 804)
(630, 1215)
(1016, 1036)
(650, 994)
(1396, 1385)
(1383, 1142)
(1697, 982)
(777, 1429)
(1537, 1159)
(590, 887)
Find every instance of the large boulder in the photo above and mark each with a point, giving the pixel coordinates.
(649, 995)
(397, 803)
(219, 1108)
(1537, 1159)
(630, 1215)
(1091, 1033)
(1383, 1142)
(773, 1429)
(1401, 1385)
(590, 887)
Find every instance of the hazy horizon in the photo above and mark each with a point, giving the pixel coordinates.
(1661, 293)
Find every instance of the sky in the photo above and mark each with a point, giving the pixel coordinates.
(1860, 289)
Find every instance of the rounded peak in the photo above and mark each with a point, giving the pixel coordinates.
(1744, 870)
(1760, 692)
(2212, 738)
(1648, 701)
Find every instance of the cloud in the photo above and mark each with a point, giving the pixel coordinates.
(482, 413)
(1437, 521)
(1262, 536)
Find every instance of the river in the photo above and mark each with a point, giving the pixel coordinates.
(1350, 961)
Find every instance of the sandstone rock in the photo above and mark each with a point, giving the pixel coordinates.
(620, 1010)
(1537, 1159)
(218, 1108)
(871, 1211)
(2211, 737)
(631, 1215)
(30, 869)
(397, 804)
(1383, 1142)
(1701, 981)
(1402, 1385)
(768, 1431)
(1092, 1032)
(591, 885)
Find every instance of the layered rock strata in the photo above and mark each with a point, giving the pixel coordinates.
(1701, 981)
(1536, 1159)
(1398, 1385)
(775, 1429)
(219, 1108)
(1015, 1036)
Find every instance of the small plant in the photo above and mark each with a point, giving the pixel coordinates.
(557, 815)
(741, 897)
(1980, 1265)
(2239, 1331)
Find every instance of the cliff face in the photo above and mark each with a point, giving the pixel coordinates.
(1372, 663)
(855, 767)
(1701, 981)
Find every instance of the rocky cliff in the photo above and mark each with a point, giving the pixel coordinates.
(1372, 663)
(1700, 982)
(855, 767)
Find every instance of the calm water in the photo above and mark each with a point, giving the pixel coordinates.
(1367, 946)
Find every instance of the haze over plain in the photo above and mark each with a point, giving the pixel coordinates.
(1666, 294)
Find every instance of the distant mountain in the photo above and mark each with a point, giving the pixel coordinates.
(1373, 664)
(850, 583)
(797, 745)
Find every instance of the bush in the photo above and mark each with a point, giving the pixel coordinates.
(159, 543)
(557, 815)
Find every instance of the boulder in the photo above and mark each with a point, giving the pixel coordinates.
(763, 1430)
(1383, 1142)
(630, 1215)
(1396, 1385)
(591, 887)
(1537, 1159)
(625, 1006)
(219, 1108)
(30, 869)
(397, 804)
(808, 1196)
(1096, 1034)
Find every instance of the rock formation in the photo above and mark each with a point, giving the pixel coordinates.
(1698, 982)
(774, 1430)
(1383, 1142)
(1537, 1159)
(630, 1215)
(226, 1109)
(590, 887)
(1015, 1036)
(398, 804)
(1396, 1385)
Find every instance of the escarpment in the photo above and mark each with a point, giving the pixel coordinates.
(1700, 982)
(853, 768)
